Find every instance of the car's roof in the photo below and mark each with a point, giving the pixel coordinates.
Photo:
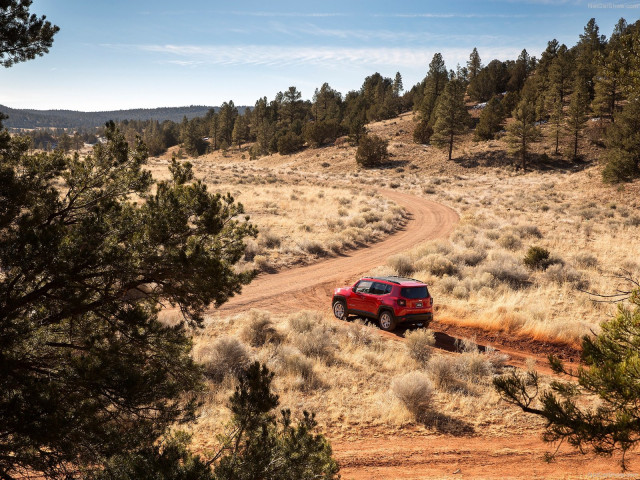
(409, 282)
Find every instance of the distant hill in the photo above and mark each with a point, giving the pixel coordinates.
(26, 118)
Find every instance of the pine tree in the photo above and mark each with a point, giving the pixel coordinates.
(435, 82)
(590, 45)
(491, 120)
(23, 36)
(474, 65)
(397, 85)
(623, 145)
(523, 130)
(520, 72)
(610, 375)
(577, 114)
(452, 117)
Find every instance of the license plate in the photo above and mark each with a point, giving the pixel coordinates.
(419, 304)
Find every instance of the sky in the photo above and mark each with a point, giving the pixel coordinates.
(120, 54)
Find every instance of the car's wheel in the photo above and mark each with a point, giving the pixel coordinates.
(340, 309)
(387, 321)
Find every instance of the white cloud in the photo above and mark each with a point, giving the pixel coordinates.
(281, 56)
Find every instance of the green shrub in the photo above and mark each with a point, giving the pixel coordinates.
(372, 151)
(537, 258)
(422, 132)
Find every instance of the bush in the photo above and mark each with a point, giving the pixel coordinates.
(304, 321)
(509, 241)
(506, 269)
(437, 265)
(536, 258)
(401, 264)
(227, 356)
(372, 151)
(269, 239)
(419, 344)
(315, 343)
(260, 329)
(621, 167)
(314, 247)
(586, 260)
(422, 132)
(442, 371)
(414, 390)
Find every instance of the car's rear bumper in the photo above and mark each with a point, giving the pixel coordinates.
(416, 318)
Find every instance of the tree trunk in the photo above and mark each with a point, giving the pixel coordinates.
(450, 145)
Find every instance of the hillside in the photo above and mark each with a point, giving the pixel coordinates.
(27, 118)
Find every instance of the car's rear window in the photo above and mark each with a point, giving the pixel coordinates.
(414, 292)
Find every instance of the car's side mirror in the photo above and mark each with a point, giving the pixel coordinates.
(353, 289)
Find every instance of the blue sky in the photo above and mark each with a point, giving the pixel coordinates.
(120, 54)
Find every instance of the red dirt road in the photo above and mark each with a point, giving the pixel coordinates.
(283, 291)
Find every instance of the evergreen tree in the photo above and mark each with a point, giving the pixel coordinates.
(263, 447)
(452, 117)
(520, 72)
(23, 36)
(491, 120)
(577, 114)
(490, 81)
(611, 375)
(591, 44)
(474, 65)
(612, 67)
(623, 145)
(434, 84)
(523, 130)
(397, 85)
(88, 370)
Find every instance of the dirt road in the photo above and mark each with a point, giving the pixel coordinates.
(311, 286)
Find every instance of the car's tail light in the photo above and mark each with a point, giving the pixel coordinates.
(402, 302)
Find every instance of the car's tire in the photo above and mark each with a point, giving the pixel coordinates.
(339, 308)
(387, 321)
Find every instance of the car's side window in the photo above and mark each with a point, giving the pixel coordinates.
(364, 287)
(380, 288)
(387, 288)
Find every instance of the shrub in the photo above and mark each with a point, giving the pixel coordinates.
(562, 274)
(304, 321)
(442, 372)
(422, 132)
(437, 265)
(414, 390)
(269, 239)
(528, 230)
(314, 247)
(509, 241)
(315, 343)
(227, 356)
(419, 344)
(294, 363)
(401, 264)
(260, 329)
(372, 151)
(536, 258)
(359, 333)
(506, 269)
(586, 260)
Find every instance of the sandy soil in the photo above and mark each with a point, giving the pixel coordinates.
(379, 454)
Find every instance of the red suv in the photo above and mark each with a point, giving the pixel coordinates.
(389, 300)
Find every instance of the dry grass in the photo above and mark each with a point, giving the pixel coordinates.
(350, 376)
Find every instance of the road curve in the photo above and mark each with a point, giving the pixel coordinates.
(310, 286)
